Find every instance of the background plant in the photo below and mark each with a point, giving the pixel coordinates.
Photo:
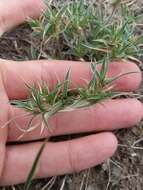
(85, 31)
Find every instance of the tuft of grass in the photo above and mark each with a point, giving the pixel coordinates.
(80, 30)
(62, 97)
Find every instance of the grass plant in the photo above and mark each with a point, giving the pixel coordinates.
(61, 97)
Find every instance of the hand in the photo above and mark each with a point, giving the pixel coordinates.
(62, 157)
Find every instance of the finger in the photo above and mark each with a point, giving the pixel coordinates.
(50, 71)
(108, 115)
(15, 12)
(3, 119)
(57, 158)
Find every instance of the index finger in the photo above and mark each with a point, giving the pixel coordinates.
(16, 74)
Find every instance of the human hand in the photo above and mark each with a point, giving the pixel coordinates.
(62, 157)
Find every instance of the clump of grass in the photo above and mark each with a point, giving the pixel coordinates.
(80, 30)
(62, 97)
(46, 103)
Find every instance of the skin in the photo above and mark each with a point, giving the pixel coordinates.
(62, 157)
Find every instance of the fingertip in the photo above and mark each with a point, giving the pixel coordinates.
(109, 143)
(97, 149)
(132, 78)
(135, 112)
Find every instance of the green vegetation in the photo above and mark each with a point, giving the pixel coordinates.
(81, 31)
(46, 103)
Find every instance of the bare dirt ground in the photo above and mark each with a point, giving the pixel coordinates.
(124, 171)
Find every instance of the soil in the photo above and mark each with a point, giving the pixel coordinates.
(124, 171)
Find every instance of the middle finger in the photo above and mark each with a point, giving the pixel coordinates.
(109, 115)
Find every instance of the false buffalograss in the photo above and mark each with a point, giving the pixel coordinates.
(80, 30)
(61, 97)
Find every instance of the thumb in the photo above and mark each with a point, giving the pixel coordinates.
(3, 120)
(15, 12)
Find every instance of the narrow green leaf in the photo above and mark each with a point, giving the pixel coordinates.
(103, 70)
(33, 169)
(66, 84)
(92, 84)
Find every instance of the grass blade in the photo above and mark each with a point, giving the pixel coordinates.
(66, 84)
(33, 169)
